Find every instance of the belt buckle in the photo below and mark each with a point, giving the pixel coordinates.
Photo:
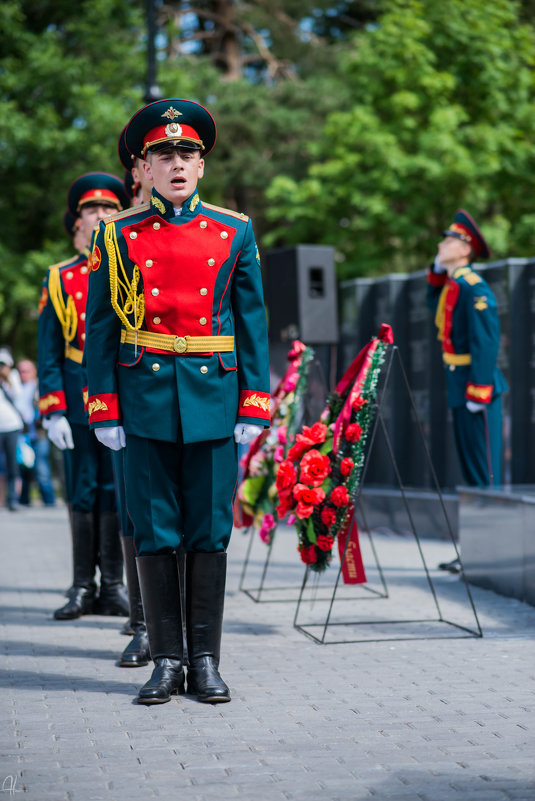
(180, 345)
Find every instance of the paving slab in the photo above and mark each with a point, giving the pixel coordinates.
(445, 716)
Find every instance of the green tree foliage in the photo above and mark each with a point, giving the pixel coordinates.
(441, 116)
(71, 75)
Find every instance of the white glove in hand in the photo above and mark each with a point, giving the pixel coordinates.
(438, 267)
(245, 432)
(475, 407)
(59, 432)
(113, 437)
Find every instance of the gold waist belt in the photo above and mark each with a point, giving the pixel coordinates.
(176, 344)
(74, 354)
(458, 359)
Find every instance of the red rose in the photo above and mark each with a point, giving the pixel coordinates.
(328, 516)
(303, 510)
(353, 432)
(325, 542)
(307, 496)
(308, 554)
(286, 475)
(358, 403)
(346, 466)
(339, 496)
(316, 433)
(285, 503)
(301, 445)
(315, 467)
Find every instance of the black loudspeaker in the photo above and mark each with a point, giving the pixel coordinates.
(300, 292)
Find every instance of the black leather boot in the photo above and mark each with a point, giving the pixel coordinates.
(205, 596)
(160, 591)
(82, 595)
(113, 598)
(136, 653)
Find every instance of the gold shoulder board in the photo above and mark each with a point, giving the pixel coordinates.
(472, 278)
(63, 263)
(127, 213)
(231, 213)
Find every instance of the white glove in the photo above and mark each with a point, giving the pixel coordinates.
(438, 267)
(59, 432)
(113, 437)
(475, 407)
(245, 432)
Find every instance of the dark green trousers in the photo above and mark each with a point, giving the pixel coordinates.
(180, 494)
(478, 437)
(91, 473)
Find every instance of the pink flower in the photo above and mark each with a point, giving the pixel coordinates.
(290, 382)
(268, 522)
(278, 454)
(281, 434)
(291, 519)
(297, 348)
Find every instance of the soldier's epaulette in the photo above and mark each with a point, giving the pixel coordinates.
(127, 213)
(231, 213)
(472, 278)
(63, 263)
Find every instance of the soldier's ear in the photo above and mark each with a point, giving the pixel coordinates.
(200, 172)
(146, 165)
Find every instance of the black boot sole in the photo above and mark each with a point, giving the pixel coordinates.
(128, 663)
(150, 701)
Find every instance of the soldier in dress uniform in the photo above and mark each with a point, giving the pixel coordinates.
(469, 330)
(178, 373)
(135, 176)
(61, 339)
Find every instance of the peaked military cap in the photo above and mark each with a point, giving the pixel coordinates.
(170, 123)
(69, 222)
(96, 187)
(465, 228)
(125, 157)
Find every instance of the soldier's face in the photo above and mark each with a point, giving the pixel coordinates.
(90, 216)
(175, 173)
(451, 250)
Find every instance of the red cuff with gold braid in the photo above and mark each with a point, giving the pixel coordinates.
(52, 402)
(254, 404)
(479, 393)
(103, 407)
(436, 279)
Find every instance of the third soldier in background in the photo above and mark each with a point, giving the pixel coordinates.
(469, 331)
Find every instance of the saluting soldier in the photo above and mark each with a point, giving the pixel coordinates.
(469, 330)
(61, 340)
(178, 373)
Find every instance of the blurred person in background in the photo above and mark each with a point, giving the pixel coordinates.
(11, 424)
(28, 408)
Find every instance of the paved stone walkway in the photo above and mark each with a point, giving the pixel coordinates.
(430, 719)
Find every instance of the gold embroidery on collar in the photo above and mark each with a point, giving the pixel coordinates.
(155, 201)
